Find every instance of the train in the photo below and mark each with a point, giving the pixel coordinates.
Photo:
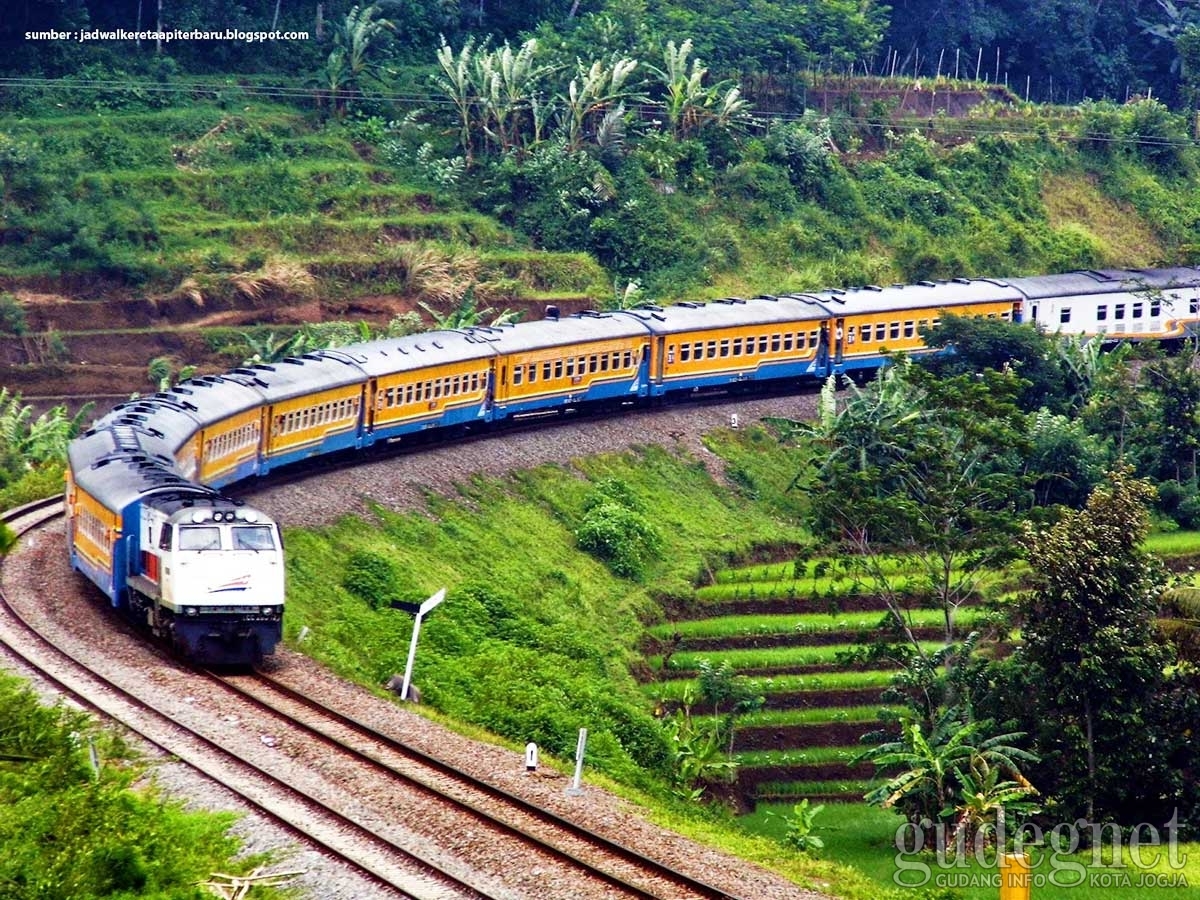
(148, 525)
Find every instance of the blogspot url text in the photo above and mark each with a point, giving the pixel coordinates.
(120, 34)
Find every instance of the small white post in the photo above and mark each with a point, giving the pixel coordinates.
(733, 421)
(412, 646)
(575, 789)
(531, 758)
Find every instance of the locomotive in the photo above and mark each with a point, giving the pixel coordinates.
(147, 524)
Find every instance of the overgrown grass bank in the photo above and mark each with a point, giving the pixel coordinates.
(536, 638)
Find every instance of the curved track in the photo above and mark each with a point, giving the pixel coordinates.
(600, 867)
(311, 819)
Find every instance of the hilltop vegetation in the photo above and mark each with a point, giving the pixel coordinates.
(628, 153)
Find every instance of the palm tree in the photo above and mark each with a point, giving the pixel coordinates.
(689, 104)
(26, 442)
(349, 64)
(596, 89)
(506, 81)
(930, 764)
(457, 83)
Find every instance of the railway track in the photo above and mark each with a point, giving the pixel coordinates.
(362, 761)
(562, 841)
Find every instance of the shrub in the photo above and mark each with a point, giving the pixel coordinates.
(12, 315)
(616, 530)
(805, 148)
(371, 577)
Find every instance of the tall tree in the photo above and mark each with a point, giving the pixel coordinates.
(1090, 672)
(927, 468)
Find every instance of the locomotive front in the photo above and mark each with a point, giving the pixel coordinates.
(218, 569)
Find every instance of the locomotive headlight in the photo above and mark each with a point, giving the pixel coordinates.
(250, 516)
(199, 516)
(268, 610)
(191, 611)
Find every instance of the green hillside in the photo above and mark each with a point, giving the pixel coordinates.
(225, 199)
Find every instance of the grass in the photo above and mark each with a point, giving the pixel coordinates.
(770, 657)
(799, 757)
(1174, 543)
(865, 837)
(824, 587)
(809, 716)
(210, 190)
(799, 625)
(675, 688)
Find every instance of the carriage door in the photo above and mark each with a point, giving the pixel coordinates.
(839, 340)
(660, 357)
(372, 407)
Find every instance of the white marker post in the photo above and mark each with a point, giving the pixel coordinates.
(575, 790)
(531, 755)
(412, 647)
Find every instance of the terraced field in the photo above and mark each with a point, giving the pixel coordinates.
(228, 213)
(784, 627)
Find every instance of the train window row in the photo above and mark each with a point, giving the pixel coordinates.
(694, 351)
(575, 366)
(315, 416)
(430, 389)
(1135, 310)
(88, 523)
(888, 331)
(231, 442)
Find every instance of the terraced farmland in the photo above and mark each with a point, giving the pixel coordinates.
(180, 224)
(784, 627)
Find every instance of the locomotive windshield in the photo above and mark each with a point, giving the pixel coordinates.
(253, 537)
(195, 537)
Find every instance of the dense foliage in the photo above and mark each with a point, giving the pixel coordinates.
(949, 466)
(71, 830)
(679, 146)
(1107, 713)
(1066, 49)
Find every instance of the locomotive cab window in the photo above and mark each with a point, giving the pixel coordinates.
(199, 537)
(164, 540)
(253, 537)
